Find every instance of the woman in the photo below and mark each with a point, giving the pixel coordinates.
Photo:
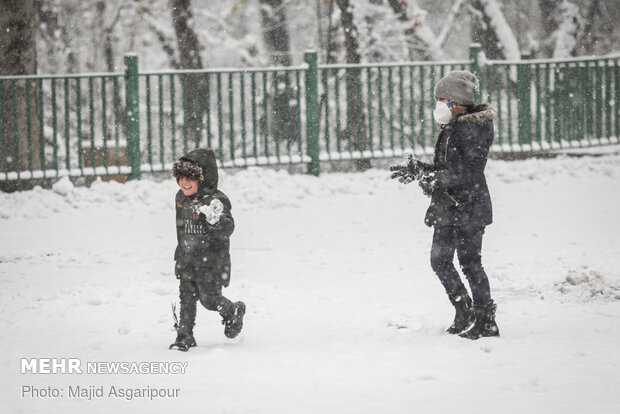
(460, 201)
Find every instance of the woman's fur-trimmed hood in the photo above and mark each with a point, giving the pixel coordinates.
(479, 114)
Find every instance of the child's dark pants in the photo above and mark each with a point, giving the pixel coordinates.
(210, 295)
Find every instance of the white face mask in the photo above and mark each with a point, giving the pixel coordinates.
(442, 113)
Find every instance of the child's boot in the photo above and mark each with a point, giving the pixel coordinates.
(184, 341)
(234, 322)
(185, 335)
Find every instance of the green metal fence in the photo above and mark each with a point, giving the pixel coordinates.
(250, 117)
(553, 104)
(139, 121)
(370, 111)
(53, 126)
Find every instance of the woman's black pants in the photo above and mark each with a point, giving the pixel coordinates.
(467, 242)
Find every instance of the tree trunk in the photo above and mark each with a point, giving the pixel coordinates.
(189, 58)
(330, 52)
(428, 53)
(275, 31)
(482, 32)
(355, 112)
(277, 42)
(108, 33)
(18, 57)
(550, 25)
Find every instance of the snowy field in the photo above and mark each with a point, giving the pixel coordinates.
(344, 312)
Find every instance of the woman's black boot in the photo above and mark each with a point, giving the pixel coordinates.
(485, 325)
(464, 315)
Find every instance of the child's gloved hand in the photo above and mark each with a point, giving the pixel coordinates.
(213, 211)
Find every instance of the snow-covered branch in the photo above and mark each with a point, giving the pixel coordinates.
(503, 31)
(569, 29)
(422, 31)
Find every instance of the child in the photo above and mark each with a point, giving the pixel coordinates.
(204, 225)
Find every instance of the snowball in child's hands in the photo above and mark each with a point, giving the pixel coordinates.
(216, 211)
(213, 211)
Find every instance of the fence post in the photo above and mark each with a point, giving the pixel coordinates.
(474, 54)
(312, 112)
(524, 80)
(132, 114)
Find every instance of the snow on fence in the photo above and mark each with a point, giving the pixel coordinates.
(107, 124)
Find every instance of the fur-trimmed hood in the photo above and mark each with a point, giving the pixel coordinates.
(188, 169)
(478, 114)
(201, 165)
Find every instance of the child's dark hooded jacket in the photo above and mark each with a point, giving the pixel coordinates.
(203, 249)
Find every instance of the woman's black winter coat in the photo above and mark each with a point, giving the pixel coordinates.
(203, 250)
(461, 195)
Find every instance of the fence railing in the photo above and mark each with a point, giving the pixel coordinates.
(370, 111)
(548, 104)
(53, 126)
(250, 117)
(134, 122)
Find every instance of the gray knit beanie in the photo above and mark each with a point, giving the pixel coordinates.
(458, 86)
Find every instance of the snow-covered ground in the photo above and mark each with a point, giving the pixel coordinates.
(344, 312)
